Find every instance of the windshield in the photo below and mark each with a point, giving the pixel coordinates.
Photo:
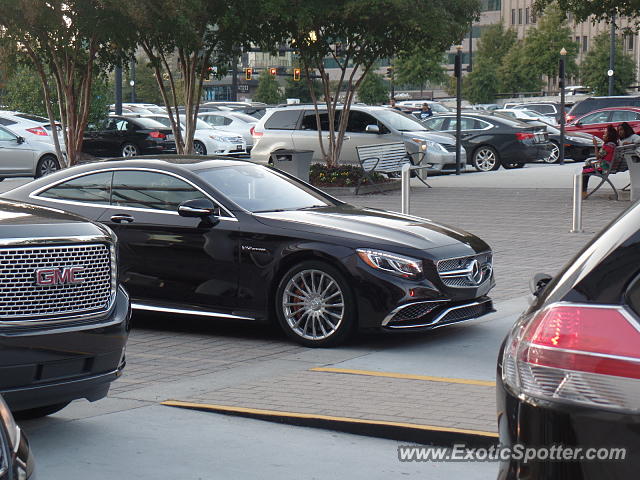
(436, 107)
(200, 124)
(260, 189)
(399, 121)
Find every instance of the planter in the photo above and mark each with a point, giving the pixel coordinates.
(364, 189)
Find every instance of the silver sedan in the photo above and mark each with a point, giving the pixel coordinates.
(20, 157)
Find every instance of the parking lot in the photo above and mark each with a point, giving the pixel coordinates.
(430, 382)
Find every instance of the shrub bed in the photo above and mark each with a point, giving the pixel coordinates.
(341, 176)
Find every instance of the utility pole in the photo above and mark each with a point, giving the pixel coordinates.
(234, 80)
(470, 65)
(612, 53)
(563, 54)
(118, 90)
(458, 73)
(132, 82)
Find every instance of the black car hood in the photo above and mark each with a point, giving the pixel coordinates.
(23, 221)
(372, 226)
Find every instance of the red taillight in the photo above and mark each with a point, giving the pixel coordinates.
(38, 131)
(157, 135)
(254, 132)
(581, 354)
(523, 136)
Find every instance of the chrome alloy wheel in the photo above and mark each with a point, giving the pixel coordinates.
(313, 304)
(485, 159)
(48, 165)
(129, 150)
(554, 155)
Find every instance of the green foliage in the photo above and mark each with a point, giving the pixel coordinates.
(268, 90)
(495, 43)
(340, 176)
(419, 66)
(300, 89)
(147, 90)
(517, 73)
(594, 66)
(543, 44)
(601, 9)
(373, 90)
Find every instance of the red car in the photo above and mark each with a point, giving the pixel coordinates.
(596, 122)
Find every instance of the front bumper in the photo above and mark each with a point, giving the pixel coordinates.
(442, 162)
(545, 425)
(42, 366)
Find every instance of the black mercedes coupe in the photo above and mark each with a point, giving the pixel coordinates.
(231, 239)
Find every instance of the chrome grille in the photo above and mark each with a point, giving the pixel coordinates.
(452, 270)
(21, 297)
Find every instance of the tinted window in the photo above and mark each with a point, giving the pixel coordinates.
(283, 120)
(145, 123)
(466, 123)
(434, 123)
(598, 117)
(151, 190)
(358, 121)
(546, 109)
(309, 121)
(624, 116)
(34, 118)
(591, 104)
(6, 121)
(93, 188)
(252, 187)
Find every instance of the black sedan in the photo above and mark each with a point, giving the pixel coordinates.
(128, 137)
(492, 140)
(569, 371)
(578, 146)
(16, 459)
(232, 239)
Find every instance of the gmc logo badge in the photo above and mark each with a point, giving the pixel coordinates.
(58, 276)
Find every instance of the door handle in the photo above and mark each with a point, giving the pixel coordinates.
(122, 218)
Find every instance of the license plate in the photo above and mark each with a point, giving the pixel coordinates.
(170, 138)
(539, 137)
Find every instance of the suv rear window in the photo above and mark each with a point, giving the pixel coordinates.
(283, 120)
(591, 104)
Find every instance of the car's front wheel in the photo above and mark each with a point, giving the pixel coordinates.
(199, 148)
(485, 159)
(314, 305)
(47, 164)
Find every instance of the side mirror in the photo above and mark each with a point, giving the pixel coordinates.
(372, 129)
(538, 283)
(199, 208)
(20, 140)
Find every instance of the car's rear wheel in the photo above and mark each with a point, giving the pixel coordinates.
(314, 305)
(199, 148)
(47, 164)
(554, 155)
(486, 159)
(40, 411)
(129, 150)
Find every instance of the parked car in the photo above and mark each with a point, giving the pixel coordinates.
(232, 121)
(128, 137)
(209, 140)
(20, 157)
(417, 105)
(322, 266)
(591, 104)
(295, 127)
(524, 114)
(495, 140)
(568, 372)
(577, 146)
(16, 459)
(31, 127)
(596, 123)
(64, 319)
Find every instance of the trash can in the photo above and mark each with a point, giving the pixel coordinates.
(294, 162)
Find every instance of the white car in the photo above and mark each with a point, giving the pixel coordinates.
(22, 157)
(523, 114)
(208, 140)
(31, 127)
(237, 122)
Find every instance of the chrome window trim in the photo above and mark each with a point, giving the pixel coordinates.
(186, 311)
(434, 323)
(25, 242)
(36, 193)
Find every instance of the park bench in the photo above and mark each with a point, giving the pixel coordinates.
(618, 164)
(388, 158)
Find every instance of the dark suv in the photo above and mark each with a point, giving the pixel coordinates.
(64, 319)
(594, 103)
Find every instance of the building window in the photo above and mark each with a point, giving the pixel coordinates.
(513, 16)
(533, 16)
(490, 5)
(630, 42)
(519, 16)
(526, 16)
(585, 43)
(578, 43)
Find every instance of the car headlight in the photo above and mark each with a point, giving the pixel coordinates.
(216, 138)
(390, 262)
(9, 423)
(429, 144)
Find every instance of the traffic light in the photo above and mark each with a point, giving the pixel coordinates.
(248, 73)
(296, 74)
(273, 71)
(210, 72)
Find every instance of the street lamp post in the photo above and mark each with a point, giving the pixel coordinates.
(118, 93)
(612, 53)
(563, 54)
(458, 74)
(132, 82)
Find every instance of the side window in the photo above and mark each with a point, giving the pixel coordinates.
(227, 121)
(358, 121)
(309, 121)
(466, 123)
(155, 191)
(436, 123)
(6, 121)
(624, 116)
(6, 136)
(217, 120)
(94, 188)
(480, 125)
(598, 117)
(121, 125)
(283, 120)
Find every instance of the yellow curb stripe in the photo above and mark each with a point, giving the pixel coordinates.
(464, 381)
(277, 413)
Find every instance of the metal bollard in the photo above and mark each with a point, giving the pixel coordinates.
(577, 204)
(405, 187)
